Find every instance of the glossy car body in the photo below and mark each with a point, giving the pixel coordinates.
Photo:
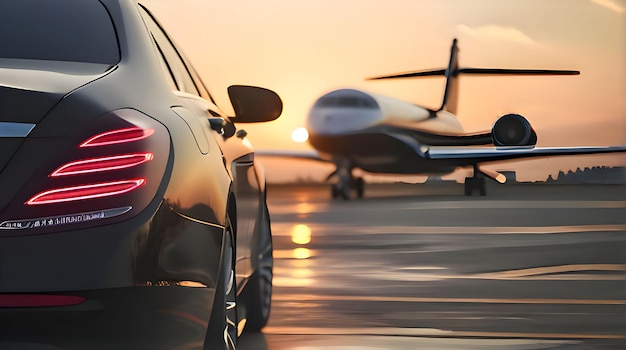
(131, 216)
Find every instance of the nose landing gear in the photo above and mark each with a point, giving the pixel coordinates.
(346, 183)
(344, 190)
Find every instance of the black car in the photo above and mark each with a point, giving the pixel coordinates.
(132, 212)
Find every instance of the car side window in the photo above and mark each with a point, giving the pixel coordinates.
(172, 59)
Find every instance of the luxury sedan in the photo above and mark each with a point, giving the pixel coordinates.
(132, 211)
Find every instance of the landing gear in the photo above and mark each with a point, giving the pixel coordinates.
(360, 187)
(336, 192)
(476, 182)
(346, 182)
(343, 190)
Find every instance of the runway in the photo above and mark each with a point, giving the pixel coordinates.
(529, 266)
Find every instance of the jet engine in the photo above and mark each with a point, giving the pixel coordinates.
(513, 130)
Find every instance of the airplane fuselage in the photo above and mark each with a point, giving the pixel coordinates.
(380, 134)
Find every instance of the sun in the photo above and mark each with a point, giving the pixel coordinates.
(300, 135)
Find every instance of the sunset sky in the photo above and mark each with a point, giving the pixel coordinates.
(303, 49)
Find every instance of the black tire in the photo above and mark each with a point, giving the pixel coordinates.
(344, 190)
(334, 191)
(222, 332)
(259, 288)
(482, 187)
(360, 187)
(339, 191)
(468, 185)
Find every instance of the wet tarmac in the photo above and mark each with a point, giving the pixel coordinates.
(424, 267)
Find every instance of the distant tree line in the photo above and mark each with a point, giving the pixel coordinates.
(596, 174)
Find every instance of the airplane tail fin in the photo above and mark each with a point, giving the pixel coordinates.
(451, 91)
(450, 95)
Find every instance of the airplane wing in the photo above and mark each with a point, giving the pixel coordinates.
(474, 155)
(463, 155)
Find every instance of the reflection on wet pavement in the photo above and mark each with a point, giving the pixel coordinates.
(383, 341)
(406, 272)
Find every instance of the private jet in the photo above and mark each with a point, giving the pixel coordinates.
(379, 134)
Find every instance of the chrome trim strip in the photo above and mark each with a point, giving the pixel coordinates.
(74, 218)
(10, 129)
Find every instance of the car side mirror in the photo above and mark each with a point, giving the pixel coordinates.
(254, 104)
(229, 130)
(217, 124)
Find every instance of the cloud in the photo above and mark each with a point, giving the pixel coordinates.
(495, 32)
(610, 4)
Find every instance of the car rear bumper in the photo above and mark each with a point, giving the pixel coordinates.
(163, 317)
(147, 280)
(155, 247)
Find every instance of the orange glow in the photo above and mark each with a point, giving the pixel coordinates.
(303, 51)
(301, 253)
(300, 135)
(301, 234)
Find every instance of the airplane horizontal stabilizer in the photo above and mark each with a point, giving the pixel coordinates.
(452, 72)
(478, 71)
(426, 73)
(505, 71)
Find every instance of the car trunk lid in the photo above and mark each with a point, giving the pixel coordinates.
(28, 91)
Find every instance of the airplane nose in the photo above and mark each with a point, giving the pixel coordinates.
(342, 120)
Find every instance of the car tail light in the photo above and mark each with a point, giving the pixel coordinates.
(76, 193)
(114, 167)
(99, 164)
(117, 136)
(87, 190)
(39, 300)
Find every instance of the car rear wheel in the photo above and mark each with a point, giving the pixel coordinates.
(259, 291)
(222, 332)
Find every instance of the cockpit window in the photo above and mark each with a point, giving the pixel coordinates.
(59, 30)
(362, 101)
